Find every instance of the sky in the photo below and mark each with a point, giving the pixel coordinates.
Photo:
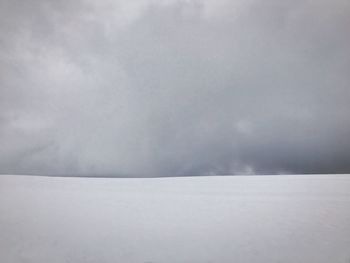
(174, 88)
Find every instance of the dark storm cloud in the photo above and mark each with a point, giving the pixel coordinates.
(174, 87)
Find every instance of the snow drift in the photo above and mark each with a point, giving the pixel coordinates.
(195, 219)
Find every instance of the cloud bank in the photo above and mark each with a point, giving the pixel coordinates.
(169, 88)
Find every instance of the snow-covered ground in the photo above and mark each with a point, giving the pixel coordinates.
(193, 219)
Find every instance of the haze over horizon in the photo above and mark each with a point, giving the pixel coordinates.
(174, 87)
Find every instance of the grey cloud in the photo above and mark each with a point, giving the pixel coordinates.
(175, 88)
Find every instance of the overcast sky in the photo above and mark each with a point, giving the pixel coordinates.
(167, 87)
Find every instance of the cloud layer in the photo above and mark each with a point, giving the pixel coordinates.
(160, 88)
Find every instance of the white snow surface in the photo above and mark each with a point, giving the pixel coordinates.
(302, 218)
